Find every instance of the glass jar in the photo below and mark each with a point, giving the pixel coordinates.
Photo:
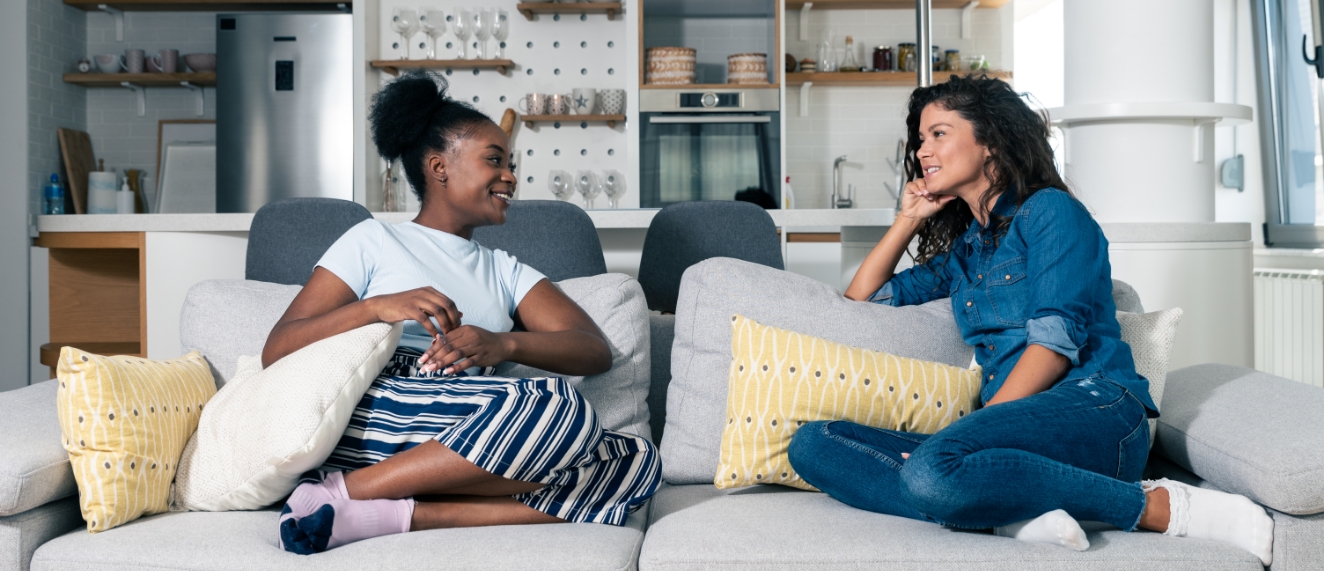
(953, 60)
(882, 58)
(905, 56)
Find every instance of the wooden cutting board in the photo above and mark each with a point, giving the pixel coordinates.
(76, 149)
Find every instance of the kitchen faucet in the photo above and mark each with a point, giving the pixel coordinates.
(838, 200)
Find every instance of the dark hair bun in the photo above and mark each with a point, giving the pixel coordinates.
(402, 110)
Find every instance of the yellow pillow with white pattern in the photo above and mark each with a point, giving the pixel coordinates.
(125, 421)
(781, 380)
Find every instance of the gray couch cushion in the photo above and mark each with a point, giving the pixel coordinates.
(227, 318)
(1249, 433)
(616, 304)
(661, 334)
(772, 527)
(1298, 541)
(713, 290)
(35, 469)
(1125, 298)
(247, 540)
(22, 534)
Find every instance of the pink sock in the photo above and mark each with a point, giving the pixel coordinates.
(312, 493)
(340, 522)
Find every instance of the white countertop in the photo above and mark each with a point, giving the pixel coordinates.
(815, 219)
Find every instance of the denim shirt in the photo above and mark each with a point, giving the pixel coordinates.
(1046, 281)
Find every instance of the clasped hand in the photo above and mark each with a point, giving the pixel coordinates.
(918, 203)
(454, 347)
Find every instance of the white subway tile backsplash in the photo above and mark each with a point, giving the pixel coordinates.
(56, 39)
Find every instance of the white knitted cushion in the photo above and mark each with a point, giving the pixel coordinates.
(1150, 337)
(267, 426)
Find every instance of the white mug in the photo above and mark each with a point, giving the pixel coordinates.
(558, 104)
(611, 101)
(584, 99)
(109, 63)
(533, 104)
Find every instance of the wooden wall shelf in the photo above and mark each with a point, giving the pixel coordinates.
(710, 86)
(531, 8)
(886, 4)
(394, 66)
(207, 5)
(874, 79)
(207, 79)
(610, 120)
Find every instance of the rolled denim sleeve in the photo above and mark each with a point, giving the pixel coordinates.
(916, 285)
(1066, 258)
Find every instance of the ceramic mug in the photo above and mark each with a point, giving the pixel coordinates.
(558, 104)
(611, 101)
(533, 104)
(109, 63)
(133, 61)
(166, 62)
(583, 99)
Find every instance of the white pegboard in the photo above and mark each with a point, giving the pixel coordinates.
(552, 54)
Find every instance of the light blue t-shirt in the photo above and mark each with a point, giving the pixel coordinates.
(486, 285)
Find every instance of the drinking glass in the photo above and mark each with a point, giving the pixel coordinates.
(463, 26)
(404, 22)
(434, 25)
(586, 182)
(613, 185)
(559, 183)
(484, 20)
(501, 31)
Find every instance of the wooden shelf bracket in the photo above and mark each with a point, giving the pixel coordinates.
(197, 97)
(804, 21)
(804, 98)
(142, 98)
(119, 21)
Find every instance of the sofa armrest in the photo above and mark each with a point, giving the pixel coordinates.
(1247, 432)
(35, 470)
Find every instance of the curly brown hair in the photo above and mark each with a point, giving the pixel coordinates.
(1020, 157)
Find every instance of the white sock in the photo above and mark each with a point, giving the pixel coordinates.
(1056, 527)
(1208, 514)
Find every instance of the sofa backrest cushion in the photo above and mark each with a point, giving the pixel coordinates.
(713, 290)
(1247, 432)
(227, 318)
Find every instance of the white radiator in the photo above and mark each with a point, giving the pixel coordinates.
(1289, 324)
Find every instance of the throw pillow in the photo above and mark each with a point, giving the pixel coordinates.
(268, 426)
(715, 289)
(616, 304)
(1150, 336)
(125, 421)
(781, 379)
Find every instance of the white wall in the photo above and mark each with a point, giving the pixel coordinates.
(13, 197)
(1229, 204)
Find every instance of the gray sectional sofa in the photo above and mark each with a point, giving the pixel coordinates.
(1222, 427)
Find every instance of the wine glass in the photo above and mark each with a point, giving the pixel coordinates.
(403, 21)
(559, 183)
(463, 24)
(433, 22)
(613, 185)
(501, 31)
(586, 182)
(483, 29)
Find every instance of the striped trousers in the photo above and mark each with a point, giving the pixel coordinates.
(537, 430)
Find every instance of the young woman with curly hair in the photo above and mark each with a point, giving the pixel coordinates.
(435, 443)
(1063, 432)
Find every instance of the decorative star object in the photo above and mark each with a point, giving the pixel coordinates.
(581, 102)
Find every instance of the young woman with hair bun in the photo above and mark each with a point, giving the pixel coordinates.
(434, 442)
(1063, 434)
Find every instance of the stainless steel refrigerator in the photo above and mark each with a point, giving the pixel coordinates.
(284, 108)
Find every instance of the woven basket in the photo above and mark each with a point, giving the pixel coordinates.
(669, 66)
(747, 69)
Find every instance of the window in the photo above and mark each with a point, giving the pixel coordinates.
(1289, 122)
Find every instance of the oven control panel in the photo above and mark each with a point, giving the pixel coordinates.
(710, 100)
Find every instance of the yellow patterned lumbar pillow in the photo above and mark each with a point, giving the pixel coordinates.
(782, 379)
(125, 421)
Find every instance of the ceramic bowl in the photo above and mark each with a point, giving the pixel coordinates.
(201, 62)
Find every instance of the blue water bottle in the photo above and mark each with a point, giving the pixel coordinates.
(54, 196)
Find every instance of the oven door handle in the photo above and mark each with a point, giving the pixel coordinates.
(710, 119)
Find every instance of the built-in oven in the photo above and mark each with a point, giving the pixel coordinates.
(709, 144)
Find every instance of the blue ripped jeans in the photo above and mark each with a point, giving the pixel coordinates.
(1080, 446)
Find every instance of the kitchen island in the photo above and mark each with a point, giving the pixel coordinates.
(126, 275)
